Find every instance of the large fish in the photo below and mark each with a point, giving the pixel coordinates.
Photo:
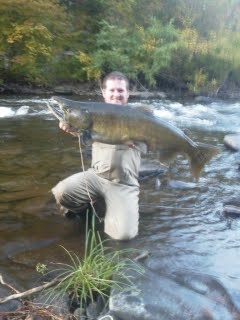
(114, 124)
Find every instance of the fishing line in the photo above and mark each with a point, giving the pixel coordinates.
(80, 149)
(87, 188)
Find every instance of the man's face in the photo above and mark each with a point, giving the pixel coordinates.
(116, 92)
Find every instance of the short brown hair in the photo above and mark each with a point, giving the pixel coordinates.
(115, 75)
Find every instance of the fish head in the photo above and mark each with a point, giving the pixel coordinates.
(77, 118)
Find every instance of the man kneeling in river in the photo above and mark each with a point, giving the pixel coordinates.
(113, 174)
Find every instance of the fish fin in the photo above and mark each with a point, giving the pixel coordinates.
(204, 153)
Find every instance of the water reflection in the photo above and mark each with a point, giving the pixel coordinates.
(181, 222)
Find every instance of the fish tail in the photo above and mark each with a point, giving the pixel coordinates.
(199, 158)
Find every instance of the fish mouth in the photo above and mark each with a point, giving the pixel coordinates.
(56, 107)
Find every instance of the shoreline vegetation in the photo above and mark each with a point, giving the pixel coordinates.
(184, 48)
(87, 89)
(229, 91)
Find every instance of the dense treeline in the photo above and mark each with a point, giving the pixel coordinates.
(186, 44)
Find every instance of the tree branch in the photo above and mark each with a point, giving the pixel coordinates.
(18, 294)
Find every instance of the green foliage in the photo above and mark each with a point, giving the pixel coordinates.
(114, 47)
(128, 13)
(29, 30)
(203, 64)
(66, 67)
(158, 43)
(41, 268)
(194, 43)
(143, 52)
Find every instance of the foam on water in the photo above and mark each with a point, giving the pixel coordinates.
(13, 107)
(6, 112)
(217, 116)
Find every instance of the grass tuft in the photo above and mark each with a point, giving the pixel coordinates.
(85, 279)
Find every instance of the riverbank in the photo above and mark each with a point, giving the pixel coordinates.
(80, 89)
(228, 91)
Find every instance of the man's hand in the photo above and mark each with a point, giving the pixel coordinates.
(130, 144)
(141, 146)
(66, 128)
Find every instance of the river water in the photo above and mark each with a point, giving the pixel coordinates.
(182, 223)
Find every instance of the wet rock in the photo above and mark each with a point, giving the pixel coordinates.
(150, 169)
(204, 99)
(81, 89)
(232, 141)
(177, 184)
(24, 89)
(147, 94)
(79, 313)
(57, 305)
(63, 90)
(11, 305)
(231, 209)
(109, 316)
(183, 297)
(95, 308)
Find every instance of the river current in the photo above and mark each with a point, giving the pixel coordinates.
(182, 223)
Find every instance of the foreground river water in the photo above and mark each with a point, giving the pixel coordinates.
(182, 223)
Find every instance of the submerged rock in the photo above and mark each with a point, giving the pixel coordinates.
(150, 169)
(232, 141)
(231, 209)
(170, 297)
(177, 184)
(11, 305)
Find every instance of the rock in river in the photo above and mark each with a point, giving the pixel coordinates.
(188, 296)
(232, 141)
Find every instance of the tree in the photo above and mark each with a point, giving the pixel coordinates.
(142, 54)
(30, 31)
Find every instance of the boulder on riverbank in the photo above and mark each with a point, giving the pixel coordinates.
(81, 89)
(226, 91)
(229, 89)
